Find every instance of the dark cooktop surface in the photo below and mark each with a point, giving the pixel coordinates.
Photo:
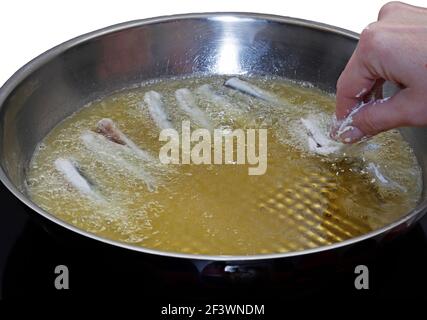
(29, 255)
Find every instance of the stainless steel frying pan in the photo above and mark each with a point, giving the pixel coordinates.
(61, 80)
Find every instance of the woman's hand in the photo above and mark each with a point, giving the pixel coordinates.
(395, 49)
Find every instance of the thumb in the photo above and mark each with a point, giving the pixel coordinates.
(400, 110)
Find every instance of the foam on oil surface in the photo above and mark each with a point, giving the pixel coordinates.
(303, 201)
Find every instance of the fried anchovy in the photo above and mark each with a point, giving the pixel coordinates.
(108, 129)
(187, 103)
(318, 141)
(252, 90)
(207, 92)
(157, 110)
(74, 177)
(110, 153)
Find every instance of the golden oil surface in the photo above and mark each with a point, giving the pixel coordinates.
(302, 201)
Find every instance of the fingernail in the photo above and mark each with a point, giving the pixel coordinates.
(350, 135)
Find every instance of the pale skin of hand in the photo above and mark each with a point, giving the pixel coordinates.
(395, 49)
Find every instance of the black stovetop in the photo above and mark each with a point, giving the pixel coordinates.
(29, 255)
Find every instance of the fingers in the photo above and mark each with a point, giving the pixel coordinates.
(399, 12)
(366, 70)
(403, 109)
(390, 49)
(354, 83)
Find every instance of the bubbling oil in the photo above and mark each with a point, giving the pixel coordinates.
(303, 200)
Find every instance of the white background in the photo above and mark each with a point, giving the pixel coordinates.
(28, 28)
